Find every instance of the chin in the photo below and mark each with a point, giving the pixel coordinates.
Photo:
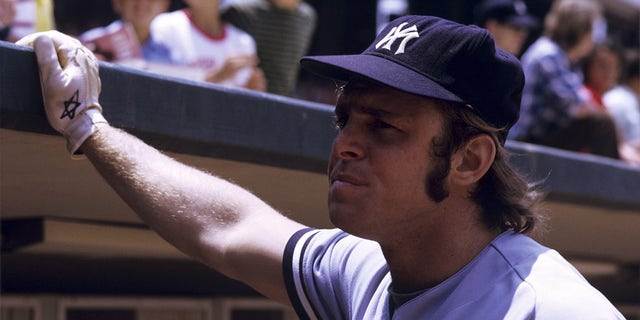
(350, 220)
(342, 216)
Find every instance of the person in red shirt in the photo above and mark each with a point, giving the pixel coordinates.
(601, 71)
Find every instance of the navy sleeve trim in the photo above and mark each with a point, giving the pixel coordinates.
(287, 269)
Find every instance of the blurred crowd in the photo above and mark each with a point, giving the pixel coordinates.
(238, 43)
(582, 87)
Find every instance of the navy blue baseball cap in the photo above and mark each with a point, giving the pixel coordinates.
(437, 58)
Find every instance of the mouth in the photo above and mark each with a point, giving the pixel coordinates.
(345, 179)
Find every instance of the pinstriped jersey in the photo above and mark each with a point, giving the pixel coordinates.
(333, 275)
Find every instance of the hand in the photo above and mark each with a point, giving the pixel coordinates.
(70, 85)
(231, 66)
(257, 80)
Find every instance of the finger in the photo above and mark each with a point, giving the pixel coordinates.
(28, 40)
(252, 60)
(47, 56)
(60, 39)
(65, 45)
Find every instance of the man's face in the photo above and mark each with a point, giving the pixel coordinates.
(603, 72)
(508, 37)
(380, 161)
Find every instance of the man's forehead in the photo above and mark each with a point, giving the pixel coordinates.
(374, 98)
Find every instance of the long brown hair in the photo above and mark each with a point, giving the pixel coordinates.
(506, 199)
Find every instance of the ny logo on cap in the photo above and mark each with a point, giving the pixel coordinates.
(397, 33)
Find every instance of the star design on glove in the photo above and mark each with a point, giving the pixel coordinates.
(73, 103)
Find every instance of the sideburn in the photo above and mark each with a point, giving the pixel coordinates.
(435, 181)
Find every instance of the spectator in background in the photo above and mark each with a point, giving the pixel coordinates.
(23, 17)
(282, 30)
(132, 30)
(507, 20)
(601, 70)
(198, 38)
(623, 103)
(554, 113)
(7, 15)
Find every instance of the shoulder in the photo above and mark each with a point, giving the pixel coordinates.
(167, 26)
(234, 31)
(550, 283)
(335, 250)
(321, 240)
(621, 97)
(239, 36)
(331, 274)
(306, 10)
(533, 262)
(542, 49)
(170, 18)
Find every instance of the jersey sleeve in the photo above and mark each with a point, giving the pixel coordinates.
(330, 274)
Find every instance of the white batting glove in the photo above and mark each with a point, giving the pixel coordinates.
(70, 86)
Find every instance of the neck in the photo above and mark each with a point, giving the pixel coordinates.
(431, 255)
(207, 19)
(142, 33)
(574, 56)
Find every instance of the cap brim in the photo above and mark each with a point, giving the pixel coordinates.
(379, 69)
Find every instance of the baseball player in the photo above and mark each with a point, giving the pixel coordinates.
(431, 222)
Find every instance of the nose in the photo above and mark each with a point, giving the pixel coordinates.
(349, 143)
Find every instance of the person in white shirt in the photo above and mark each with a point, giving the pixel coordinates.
(197, 37)
(623, 103)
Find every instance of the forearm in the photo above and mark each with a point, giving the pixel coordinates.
(189, 208)
(208, 218)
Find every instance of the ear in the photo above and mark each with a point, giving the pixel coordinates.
(473, 160)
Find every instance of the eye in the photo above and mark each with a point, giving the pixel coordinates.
(379, 124)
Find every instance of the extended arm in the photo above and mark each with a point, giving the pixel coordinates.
(208, 218)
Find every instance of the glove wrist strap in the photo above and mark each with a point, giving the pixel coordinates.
(81, 128)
